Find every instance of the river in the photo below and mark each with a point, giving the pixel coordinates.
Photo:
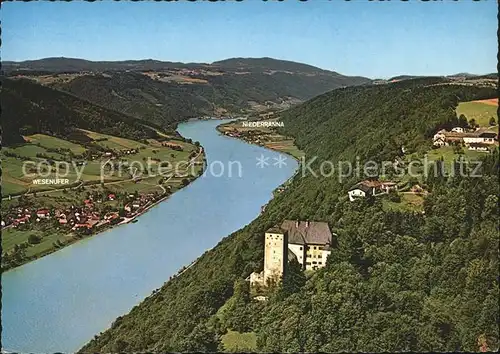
(59, 302)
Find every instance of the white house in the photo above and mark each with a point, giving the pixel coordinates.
(479, 147)
(373, 188)
(358, 191)
(459, 135)
(483, 137)
(440, 135)
(440, 142)
(362, 190)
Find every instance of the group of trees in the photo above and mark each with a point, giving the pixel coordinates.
(464, 123)
(395, 281)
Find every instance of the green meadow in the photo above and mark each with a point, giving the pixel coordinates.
(15, 181)
(480, 112)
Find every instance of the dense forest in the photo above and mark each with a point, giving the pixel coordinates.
(395, 281)
(29, 108)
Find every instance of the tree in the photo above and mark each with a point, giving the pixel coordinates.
(120, 345)
(492, 121)
(238, 315)
(201, 339)
(462, 121)
(394, 197)
(33, 239)
(457, 149)
(294, 278)
(472, 123)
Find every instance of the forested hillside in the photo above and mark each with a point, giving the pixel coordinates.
(140, 96)
(166, 93)
(29, 108)
(396, 281)
(167, 102)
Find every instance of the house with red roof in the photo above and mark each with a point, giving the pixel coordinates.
(43, 213)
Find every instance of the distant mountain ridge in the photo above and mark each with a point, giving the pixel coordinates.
(458, 75)
(166, 93)
(267, 63)
(64, 64)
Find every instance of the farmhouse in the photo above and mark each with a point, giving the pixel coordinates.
(370, 188)
(458, 135)
(360, 190)
(479, 147)
(21, 220)
(481, 137)
(43, 213)
(172, 145)
(439, 135)
(440, 142)
(308, 242)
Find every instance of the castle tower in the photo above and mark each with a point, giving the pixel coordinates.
(275, 255)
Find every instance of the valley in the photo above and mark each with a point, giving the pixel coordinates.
(390, 260)
(210, 305)
(102, 179)
(249, 177)
(165, 93)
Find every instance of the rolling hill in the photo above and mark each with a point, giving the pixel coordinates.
(165, 93)
(29, 108)
(62, 64)
(395, 281)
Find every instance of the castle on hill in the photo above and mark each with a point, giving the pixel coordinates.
(308, 242)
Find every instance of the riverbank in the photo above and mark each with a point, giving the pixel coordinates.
(51, 239)
(78, 292)
(262, 136)
(235, 130)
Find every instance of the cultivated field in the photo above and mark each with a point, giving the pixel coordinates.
(490, 101)
(264, 136)
(40, 147)
(480, 111)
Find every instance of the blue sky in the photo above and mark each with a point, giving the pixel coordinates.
(374, 39)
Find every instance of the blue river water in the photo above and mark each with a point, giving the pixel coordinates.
(59, 302)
